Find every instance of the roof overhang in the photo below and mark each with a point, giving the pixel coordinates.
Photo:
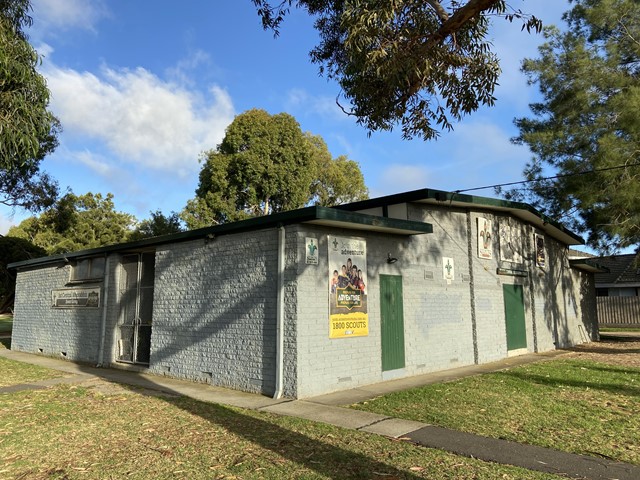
(523, 211)
(587, 265)
(316, 215)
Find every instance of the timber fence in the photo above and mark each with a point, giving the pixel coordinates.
(619, 311)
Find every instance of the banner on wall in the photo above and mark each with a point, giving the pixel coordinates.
(485, 241)
(348, 315)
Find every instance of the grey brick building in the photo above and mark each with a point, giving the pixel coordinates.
(318, 299)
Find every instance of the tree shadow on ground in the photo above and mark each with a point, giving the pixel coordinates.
(323, 458)
(560, 381)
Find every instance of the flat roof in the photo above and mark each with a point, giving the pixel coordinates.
(316, 215)
(521, 210)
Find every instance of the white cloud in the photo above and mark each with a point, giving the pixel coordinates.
(139, 117)
(52, 15)
(299, 100)
(5, 224)
(399, 177)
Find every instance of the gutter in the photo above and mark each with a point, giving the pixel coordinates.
(280, 316)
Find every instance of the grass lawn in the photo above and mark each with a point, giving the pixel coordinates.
(15, 373)
(572, 405)
(6, 322)
(78, 432)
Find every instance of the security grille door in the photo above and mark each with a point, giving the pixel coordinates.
(392, 322)
(514, 317)
(136, 307)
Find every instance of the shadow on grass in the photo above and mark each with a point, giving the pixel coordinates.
(557, 381)
(327, 460)
(6, 342)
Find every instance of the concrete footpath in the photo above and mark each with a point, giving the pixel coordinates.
(326, 409)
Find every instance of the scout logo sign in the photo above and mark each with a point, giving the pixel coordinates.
(347, 287)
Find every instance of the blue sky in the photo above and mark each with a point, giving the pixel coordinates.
(143, 87)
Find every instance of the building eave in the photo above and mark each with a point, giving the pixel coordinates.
(315, 215)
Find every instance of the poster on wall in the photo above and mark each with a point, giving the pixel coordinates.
(510, 243)
(448, 270)
(541, 257)
(347, 287)
(75, 297)
(311, 250)
(485, 244)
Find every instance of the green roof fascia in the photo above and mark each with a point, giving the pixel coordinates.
(315, 214)
(588, 265)
(443, 196)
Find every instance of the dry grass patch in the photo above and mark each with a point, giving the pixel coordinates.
(78, 432)
(16, 373)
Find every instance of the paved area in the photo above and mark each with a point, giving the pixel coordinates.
(325, 409)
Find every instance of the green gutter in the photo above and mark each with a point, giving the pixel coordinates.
(443, 196)
(308, 214)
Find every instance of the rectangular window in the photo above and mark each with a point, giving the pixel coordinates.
(88, 270)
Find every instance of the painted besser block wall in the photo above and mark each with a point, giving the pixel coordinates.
(69, 333)
(214, 314)
(437, 320)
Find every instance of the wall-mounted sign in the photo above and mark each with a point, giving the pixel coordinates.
(510, 243)
(85, 297)
(541, 256)
(448, 270)
(348, 315)
(311, 251)
(485, 240)
(512, 272)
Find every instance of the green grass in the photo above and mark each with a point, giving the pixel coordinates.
(6, 322)
(619, 329)
(15, 373)
(576, 406)
(76, 432)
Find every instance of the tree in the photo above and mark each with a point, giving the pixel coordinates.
(28, 130)
(13, 250)
(586, 129)
(419, 64)
(76, 223)
(266, 164)
(158, 224)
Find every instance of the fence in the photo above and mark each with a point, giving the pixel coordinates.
(619, 311)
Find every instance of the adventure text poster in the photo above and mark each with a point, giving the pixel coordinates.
(347, 287)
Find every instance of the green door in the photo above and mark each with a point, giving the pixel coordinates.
(392, 322)
(514, 317)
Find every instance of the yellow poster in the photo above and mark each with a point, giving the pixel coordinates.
(348, 315)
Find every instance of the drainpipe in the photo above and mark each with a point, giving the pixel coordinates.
(280, 316)
(103, 321)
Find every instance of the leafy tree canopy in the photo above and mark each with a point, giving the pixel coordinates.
(158, 224)
(266, 164)
(420, 64)
(28, 131)
(587, 121)
(13, 250)
(76, 223)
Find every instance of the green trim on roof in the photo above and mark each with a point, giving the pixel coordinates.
(315, 214)
(443, 196)
(587, 265)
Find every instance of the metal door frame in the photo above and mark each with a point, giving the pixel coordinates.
(138, 322)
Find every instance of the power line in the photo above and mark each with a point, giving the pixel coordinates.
(522, 182)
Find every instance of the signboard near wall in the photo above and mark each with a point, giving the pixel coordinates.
(348, 315)
(83, 297)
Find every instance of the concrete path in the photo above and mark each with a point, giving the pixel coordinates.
(325, 409)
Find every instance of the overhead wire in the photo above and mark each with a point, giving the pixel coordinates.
(565, 175)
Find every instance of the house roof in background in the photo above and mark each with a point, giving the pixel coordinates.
(623, 270)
